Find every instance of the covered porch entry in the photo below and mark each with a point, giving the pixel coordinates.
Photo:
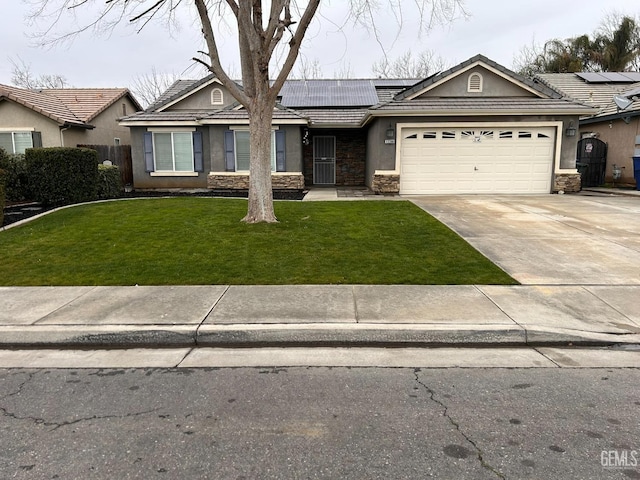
(335, 158)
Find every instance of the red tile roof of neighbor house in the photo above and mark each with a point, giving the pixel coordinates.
(73, 106)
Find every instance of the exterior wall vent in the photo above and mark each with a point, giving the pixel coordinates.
(216, 97)
(475, 83)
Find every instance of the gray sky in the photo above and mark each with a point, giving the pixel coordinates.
(497, 29)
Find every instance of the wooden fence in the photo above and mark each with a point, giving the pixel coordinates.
(119, 155)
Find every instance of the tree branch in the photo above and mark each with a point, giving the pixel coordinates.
(294, 47)
(214, 55)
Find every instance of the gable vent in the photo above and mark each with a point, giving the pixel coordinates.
(475, 83)
(216, 97)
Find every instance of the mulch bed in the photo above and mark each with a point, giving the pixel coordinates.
(15, 212)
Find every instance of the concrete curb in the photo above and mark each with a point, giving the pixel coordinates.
(309, 335)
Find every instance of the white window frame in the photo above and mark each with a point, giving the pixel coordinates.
(235, 148)
(217, 91)
(13, 139)
(173, 152)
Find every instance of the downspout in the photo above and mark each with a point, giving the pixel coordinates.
(62, 129)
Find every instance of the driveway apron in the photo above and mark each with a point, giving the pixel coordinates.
(578, 239)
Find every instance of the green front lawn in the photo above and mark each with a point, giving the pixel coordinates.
(201, 241)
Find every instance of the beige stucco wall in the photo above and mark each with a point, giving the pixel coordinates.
(107, 128)
(14, 116)
(620, 138)
(493, 86)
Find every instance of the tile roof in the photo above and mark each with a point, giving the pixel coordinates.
(73, 106)
(386, 94)
(198, 117)
(483, 104)
(323, 117)
(543, 89)
(177, 90)
(279, 113)
(597, 95)
(350, 102)
(309, 93)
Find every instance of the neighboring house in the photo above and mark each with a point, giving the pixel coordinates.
(619, 129)
(475, 128)
(63, 117)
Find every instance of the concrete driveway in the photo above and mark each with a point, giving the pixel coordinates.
(579, 239)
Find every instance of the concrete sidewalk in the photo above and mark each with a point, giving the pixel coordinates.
(318, 315)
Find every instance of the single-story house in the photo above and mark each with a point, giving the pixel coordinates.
(475, 128)
(63, 117)
(618, 128)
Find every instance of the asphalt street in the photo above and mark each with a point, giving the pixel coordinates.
(351, 423)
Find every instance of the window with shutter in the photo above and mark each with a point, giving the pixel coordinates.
(16, 142)
(243, 151)
(6, 141)
(475, 83)
(172, 151)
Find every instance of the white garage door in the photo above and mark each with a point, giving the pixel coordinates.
(476, 160)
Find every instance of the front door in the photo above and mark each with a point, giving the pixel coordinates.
(324, 160)
(592, 161)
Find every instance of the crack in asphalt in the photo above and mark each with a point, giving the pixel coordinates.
(57, 425)
(479, 453)
(30, 376)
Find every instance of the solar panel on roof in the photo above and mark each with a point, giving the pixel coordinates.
(329, 93)
(609, 77)
(591, 77)
(633, 76)
(616, 77)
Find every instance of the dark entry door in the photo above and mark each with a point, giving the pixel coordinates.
(592, 161)
(324, 160)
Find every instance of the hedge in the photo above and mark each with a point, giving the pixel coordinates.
(2, 196)
(62, 176)
(17, 178)
(110, 182)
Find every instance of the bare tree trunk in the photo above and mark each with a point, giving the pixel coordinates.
(260, 208)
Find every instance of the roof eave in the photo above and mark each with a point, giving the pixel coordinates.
(243, 121)
(160, 123)
(475, 112)
(335, 125)
(609, 117)
(85, 126)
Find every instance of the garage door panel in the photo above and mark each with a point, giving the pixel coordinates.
(473, 160)
(541, 168)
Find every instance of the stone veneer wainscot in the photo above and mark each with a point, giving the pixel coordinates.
(240, 181)
(567, 182)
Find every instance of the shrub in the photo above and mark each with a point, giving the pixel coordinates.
(2, 196)
(61, 176)
(110, 183)
(17, 178)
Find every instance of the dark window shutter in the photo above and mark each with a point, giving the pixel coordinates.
(36, 138)
(197, 152)
(281, 161)
(148, 151)
(229, 151)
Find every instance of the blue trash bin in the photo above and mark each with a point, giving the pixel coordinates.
(636, 171)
